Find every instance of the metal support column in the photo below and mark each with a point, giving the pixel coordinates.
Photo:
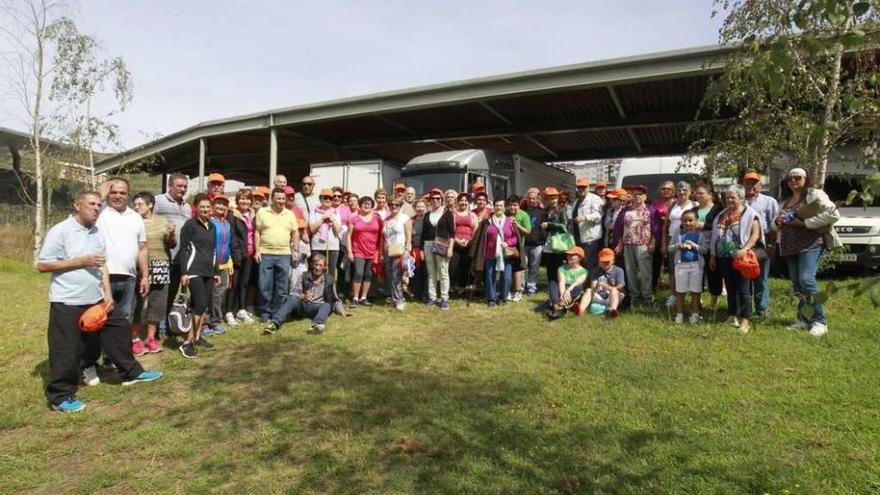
(203, 149)
(273, 155)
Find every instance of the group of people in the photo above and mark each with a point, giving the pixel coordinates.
(268, 254)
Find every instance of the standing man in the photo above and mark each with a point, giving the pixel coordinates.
(587, 222)
(534, 243)
(659, 209)
(276, 246)
(280, 181)
(410, 197)
(174, 209)
(400, 195)
(767, 209)
(307, 200)
(74, 253)
(216, 184)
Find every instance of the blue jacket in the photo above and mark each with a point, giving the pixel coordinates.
(223, 244)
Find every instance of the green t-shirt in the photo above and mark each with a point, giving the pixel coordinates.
(572, 275)
(522, 218)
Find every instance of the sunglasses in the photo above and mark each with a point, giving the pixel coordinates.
(308, 183)
(337, 196)
(796, 178)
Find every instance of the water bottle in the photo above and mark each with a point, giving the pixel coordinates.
(790, 216)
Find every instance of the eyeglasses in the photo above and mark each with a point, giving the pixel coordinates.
(337, 196)
(796, 178)
(308, 183)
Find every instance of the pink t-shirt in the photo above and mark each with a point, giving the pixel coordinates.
(492, 236)
(365, 236)
(464, 225)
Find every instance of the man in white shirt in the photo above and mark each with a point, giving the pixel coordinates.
(587, 222)
(176, 211)
(767, 209)
(307, 200)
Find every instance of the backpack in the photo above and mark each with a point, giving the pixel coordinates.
(180, 315)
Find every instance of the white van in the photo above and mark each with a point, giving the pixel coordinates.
(651, 172)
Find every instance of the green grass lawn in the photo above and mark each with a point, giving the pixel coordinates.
(473, 400)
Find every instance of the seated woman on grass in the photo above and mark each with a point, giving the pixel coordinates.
(570, 280)
(607, 287)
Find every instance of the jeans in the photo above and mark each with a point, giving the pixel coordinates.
(274, 279)
(802, 268)
(438, 271)
(638, 263)
(123, 289)
(394, 278)
(591, 254)
(218, 296)
(534, 262)
(739, 289)
(506, 278)
(556, 295)
(762, 288)
(318, 312)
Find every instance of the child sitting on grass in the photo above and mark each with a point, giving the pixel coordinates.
(686, 247)
(607, 285)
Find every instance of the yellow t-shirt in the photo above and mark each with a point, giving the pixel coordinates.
(275, 229)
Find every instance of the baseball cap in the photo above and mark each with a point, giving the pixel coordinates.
(583, 182)
(637, 189)
(289, 190)
(94, 318)
(435, 192)
(576, 250)
(550, 191)
(752, 175)
(262, 191)
(478, 186)
(216, 177)
(220, 197)
(606, 254)
(326, 192)
(601, 184)
(400, 186)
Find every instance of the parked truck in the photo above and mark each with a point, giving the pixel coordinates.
(362, 177)
(503, 173)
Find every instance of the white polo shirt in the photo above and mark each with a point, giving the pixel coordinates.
(123, 233)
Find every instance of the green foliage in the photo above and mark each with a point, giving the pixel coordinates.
(802, 81)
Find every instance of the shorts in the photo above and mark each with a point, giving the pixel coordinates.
(689, 278)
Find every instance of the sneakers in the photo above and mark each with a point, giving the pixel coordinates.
(70, 405)
(670, 301)
(429, 303)
(153, 345)
(230, 319)
(366, 303)
(202, 342)
(510, 296)
(317, 328)
(137, 347)
(818, 329)
(244, 316)
(145, 376)
(90, 376)
(444, 304)
(188, 350)
(207, 331)
(216, 329)
(270, 328)
(353, 304)
(798, 325)
(399, 306)
(695, 319)
(679, 319)
(733, 321)
(517, 296)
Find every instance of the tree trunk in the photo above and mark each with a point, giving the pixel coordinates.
(36, 129)
(831, 100)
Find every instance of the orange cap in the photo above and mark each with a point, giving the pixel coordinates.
(752, 175)
(576, 250)
(216, 177)
(435, 192)
(550, 191)
(606, 254)
(583, 182)
(94, 318)
(261, 191)
(601, 184)
(478, 186)
(326, 192)
(220, 197)
(400, 186)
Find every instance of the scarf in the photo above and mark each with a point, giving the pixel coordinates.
(499, 249)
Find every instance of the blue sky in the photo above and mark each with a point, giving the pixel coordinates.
(199, 60)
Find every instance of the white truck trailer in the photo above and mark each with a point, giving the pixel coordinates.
(362, 177)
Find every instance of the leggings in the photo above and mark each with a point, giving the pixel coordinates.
(200, 290)
(241, 279)
(363, 270)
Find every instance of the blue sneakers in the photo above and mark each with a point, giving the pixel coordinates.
(444, 304)
(207, 331)
(429, 303)
(217, 330)
(70, 405)
(145, 376)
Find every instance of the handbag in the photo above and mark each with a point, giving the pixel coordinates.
(395, 250)
(440, 246)
(561, 242)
